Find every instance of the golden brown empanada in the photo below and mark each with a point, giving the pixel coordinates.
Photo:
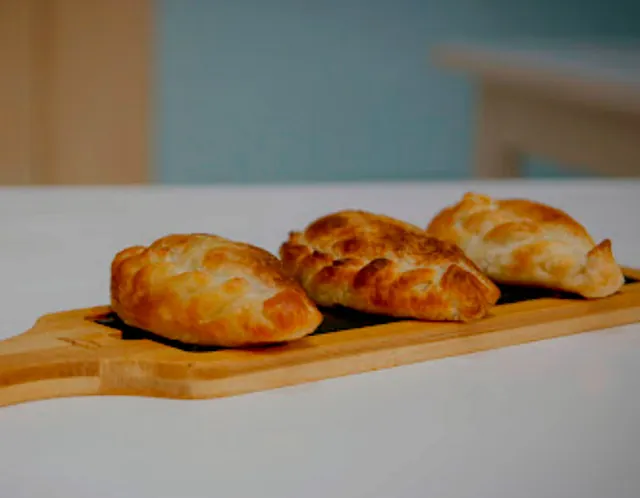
(522, 242)
(378, 264)
(207, 290)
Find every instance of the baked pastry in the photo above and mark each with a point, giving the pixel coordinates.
(377, 264)
(521, 242)
(207, 290)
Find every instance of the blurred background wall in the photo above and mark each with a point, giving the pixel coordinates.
(256, 91)
(292, 91)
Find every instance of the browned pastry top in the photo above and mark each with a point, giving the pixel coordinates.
(378, 264)
(517, 241)
(205, 289)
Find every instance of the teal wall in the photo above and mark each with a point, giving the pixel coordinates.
(294, 90)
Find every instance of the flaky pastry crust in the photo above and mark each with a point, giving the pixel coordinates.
(521, 242)
(204, 289)
(378, 264)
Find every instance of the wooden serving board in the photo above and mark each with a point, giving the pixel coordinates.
(89, 352)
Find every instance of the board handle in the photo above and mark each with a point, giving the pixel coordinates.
(50, 360)
(71, 354)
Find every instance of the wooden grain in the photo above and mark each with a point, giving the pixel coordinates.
(99, 92)
(76, 91)
(16, 76)
(68, 354)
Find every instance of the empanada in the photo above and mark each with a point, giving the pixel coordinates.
(522, 242)
(207, 290)
(376, 264)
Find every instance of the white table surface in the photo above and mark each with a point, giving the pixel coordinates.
(559, 418)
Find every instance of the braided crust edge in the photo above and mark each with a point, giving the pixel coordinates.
(377, 264)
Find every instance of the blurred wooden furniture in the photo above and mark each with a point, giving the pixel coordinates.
(74, 91)
(577, 106)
